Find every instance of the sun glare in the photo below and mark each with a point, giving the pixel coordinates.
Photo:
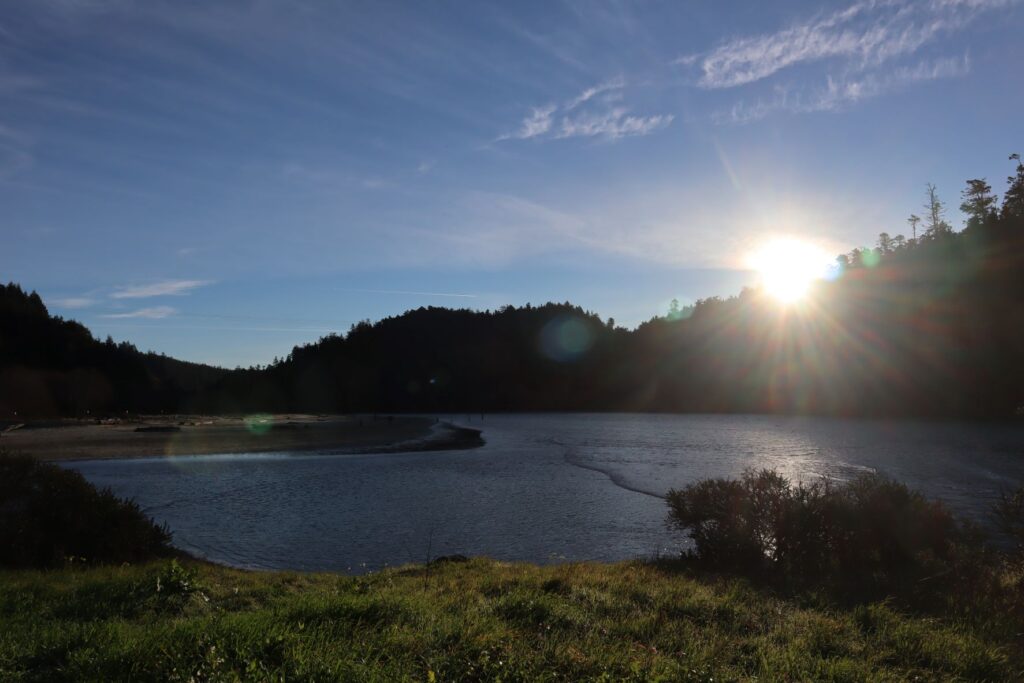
(788, 267)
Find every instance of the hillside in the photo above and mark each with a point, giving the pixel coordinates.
(55, 367)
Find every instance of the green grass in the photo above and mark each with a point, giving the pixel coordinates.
(481, 620)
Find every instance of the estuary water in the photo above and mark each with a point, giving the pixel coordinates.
(544, 488)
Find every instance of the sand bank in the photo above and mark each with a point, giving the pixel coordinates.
(197, 435)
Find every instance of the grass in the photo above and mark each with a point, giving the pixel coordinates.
(476, 621)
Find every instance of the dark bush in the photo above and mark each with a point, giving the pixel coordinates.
(868, 536)
(50, 516)
(1009, 512)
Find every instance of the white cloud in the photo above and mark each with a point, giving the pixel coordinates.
(537, 123)
(612, 125)
(588, 115)
(590, 93)
(865, 35)
(165, 288)
(841, 92)
(154, 313)
(73, 302)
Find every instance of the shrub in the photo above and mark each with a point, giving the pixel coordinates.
(1009, 512)
(868, 536)
(50, 516)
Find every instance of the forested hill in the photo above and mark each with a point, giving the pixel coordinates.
(931, 325)
(552, 357)
(54, 367)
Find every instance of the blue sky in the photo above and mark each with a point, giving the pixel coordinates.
(221, 181)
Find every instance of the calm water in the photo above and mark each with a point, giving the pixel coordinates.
(544, 488)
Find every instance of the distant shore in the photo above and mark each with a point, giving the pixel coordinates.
(180, 435)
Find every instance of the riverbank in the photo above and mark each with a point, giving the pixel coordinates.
(475, 620)
(178, 435)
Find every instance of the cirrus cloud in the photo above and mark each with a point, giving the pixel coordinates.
(594, 112)
(153, 313)
(851, 44)
(74, 302)
(865, 35)
(839, 92)
(164, 288)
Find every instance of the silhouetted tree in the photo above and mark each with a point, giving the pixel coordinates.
(674, 312)
(978, 203)
(885, 243)
(935, 209)
(1013, 200)
(914, 220)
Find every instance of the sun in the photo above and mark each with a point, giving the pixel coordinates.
(788, 267)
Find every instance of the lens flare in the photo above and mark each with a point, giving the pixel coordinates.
(788, 267)
(565, 338)
(259, 423)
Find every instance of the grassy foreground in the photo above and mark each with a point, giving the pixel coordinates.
(481, 620)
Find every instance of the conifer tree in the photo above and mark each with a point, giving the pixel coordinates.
(1013, 200)
(978, 203)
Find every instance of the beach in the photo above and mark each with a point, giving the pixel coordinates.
(182, 435)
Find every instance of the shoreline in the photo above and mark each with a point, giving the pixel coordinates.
(190, 435)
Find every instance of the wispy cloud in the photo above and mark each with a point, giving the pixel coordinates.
(588, 94)
(486, 229)
(537, 123)
(153, 313)
(15, 151)
(863, 35)
(74, 302)
(850, 46)
(838, 93)
(13, 82)
(332, 178)
(405, 292)
(592, 113)
(165, 288)
(613, 124)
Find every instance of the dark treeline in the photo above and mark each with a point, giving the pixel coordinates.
(924, 325)
(51, 367)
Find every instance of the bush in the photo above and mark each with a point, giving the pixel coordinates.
(1009, 512)
(868, 536)
(50, 516)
